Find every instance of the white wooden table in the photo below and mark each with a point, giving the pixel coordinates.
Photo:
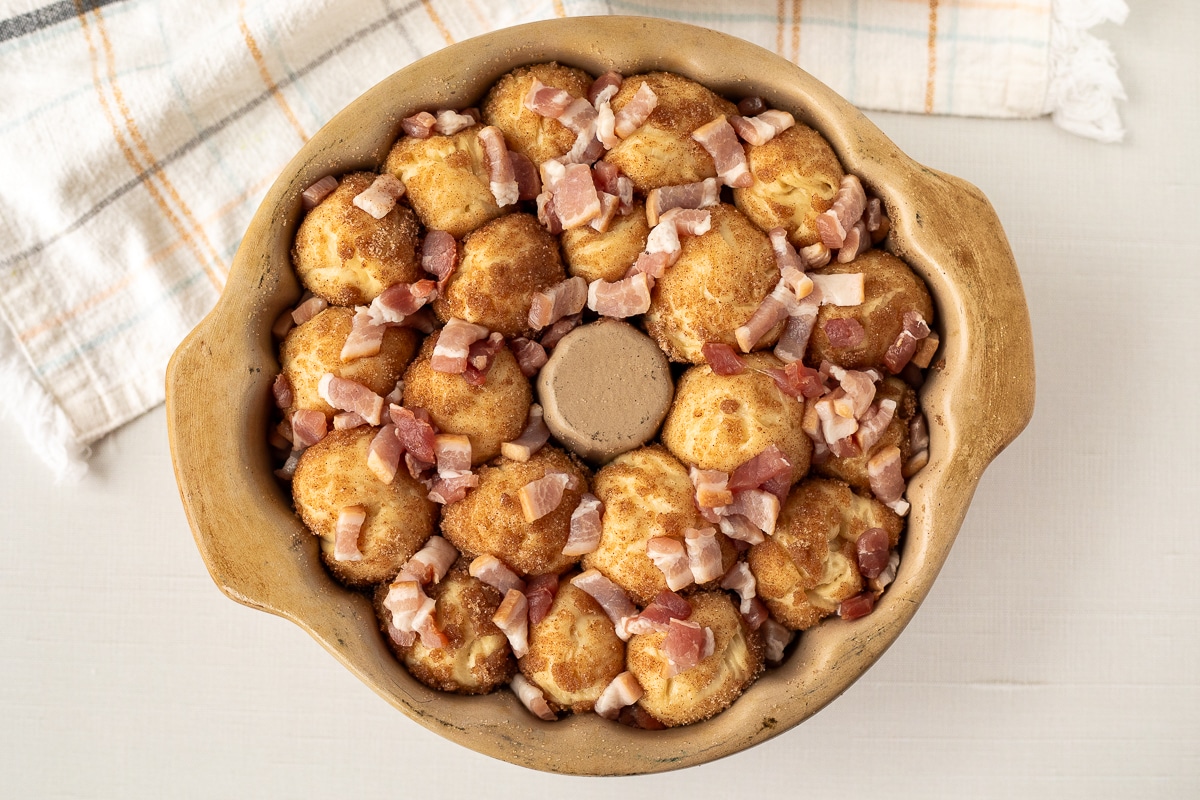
(1058, 655)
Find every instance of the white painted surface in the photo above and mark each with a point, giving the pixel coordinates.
(1058, 655)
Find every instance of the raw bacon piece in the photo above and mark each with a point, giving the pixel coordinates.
(612, 599)
(453, 454)
(768, 464)
(606, 120)
(531, 356)
(843, 289)
(531, 696)
(687, 221)
(560, 300)
(625, 195)
(762, 128)
(601, 84)
(380, 197)
(857, 241)
(857, 606)
(548, 101)
(531, 439)
(848, 206)
(576, 201)
(580, 116)
(314, 194)
(431, 563)
(704, 554)
(308, 309)
(770, 312)
(512, 617)
(918, 445)
(756, 613)
(779, 486)
(417, 435)
(740, 579)
(776, 638)
(405, 600)
(502, 179)
(383, 456)
(671, 558)
(686, 645)
(585, 526)
(607, 177)
(348, 395)
(885, 578)
(902, 350)
(439, 256)
(419, 125)
(702, 194)
(815, 255)
(925, 351)
(874, 423)
(480, 356)
(496, 573)
(449, 122)
(634, 113)
(288, 470)
(847, 332)
(740, 529)
(538, 498)
(799, 380)
(397, 302)
(871, 552)
(834, 426)
(425, 624)
(858, 390)
(609, 205)
(887, 479)
(283, 324)
(758, 506)
(558, 330)
(365, 339)
(712, 488)
(785, 255)
(540, 594)
(623, 691)
(349, 523)
(793, 342)
(454, 344)
(722, 359)
(624, 298)
(653, 264)
(282, 389)
(529, 183)
(729, 159)
(450, 490)
(665, 607)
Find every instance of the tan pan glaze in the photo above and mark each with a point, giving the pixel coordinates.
(218, 394)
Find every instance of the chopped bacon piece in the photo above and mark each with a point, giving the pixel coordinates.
(580, 116)
(702, 194)
(858, 241)
(397, 302)
(480, 356)
(758, 506)
(417, 467)
(686, 645)
(447, 490)
(431, 563)
(416, 434)
(576, 201)
(282, 389)
(540, 594)
(349, 524)
(288, 470)
(531, 439)
(624, 298)
(925, 351)
(918, 434)
(609, 205)
(419, 125)
(704, 554)
(283, 324)
(607, 177)
(636, 111)
(793, 342)
(529, 183)
(531, 696)
(758, 470)
(873, 423)
(380, 197)
(740, 579)
(584, 536)
(768, 314)
(740, 529)
(776, 638)
(873, 216)
(602, 83)
(857, 606)
(365, 338)
(314, 194)
(606, 120)
(625, 194)
(453, 452)
(779, 486)
(502, 179)
(887, 478)
(624, 690)
(449, 122)
(560, 300)
(439, 256)
(729, 159)
(689, 221)
(404, 599)
(722, 359)
(871, 551)
(847, 332)
(749, 106)
(496, 573)
(885, 578)
(558, 330)
(815, 255)
(833, 425)
(348, 395)
(531, 356)
(858, 390)
(383, 456)
(842, 289)
(512, 617)
(712, 488)
(762, 128)
(612, 599)
(454, 344)
(548, 101)
(671, 558)
(653, 264)
(848, 206)
(309, 309)
(902, 350)
(799, 380)
(540, 497)
(665, 607)
(785, 255)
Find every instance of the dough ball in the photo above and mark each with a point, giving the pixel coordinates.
(662, 152)
(333, 474)
(722, 421)
(574, 653)
(490, 521)
(854, 470)
(345, 255)
(809, 566)
(646, 493)
(314, 348)
(796, 176)
(606, 256)
(528, 132)
(717, 284)
(502, 265)
(711, 686)
(489, 415)
(890, 289)
(446, 179)
(478, 658)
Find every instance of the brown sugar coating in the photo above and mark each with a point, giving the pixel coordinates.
(527, 132)
(574, 652)
(503, 264)
(808, 567)
(333, 474)
(478, 657)
(345, 255)
(853, 470)
(490, 520)
(446, 180)
(718, 282)
(711, 686)
(606, 256)
(796, 176)
(722, 421)
(646, 493)
(315, 348)
(890, 289)
(489, 415)
(662, 152)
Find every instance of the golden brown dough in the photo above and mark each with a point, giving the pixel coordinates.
(527, 132)
(606, 256)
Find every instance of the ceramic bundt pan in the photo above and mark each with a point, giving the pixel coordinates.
(260, 554)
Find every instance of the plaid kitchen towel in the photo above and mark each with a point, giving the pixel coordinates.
(138, 136)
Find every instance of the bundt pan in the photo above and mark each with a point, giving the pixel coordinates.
(977, 399)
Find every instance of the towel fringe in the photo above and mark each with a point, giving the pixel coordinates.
(1084, 88)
